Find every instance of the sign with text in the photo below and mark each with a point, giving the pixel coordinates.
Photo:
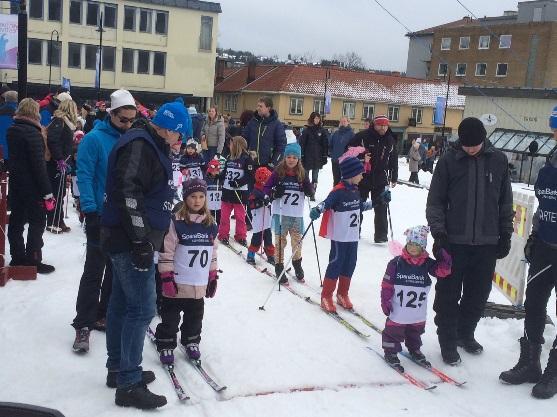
(8, 41)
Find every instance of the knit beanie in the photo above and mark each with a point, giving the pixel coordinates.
(293, 149)
(262, 174)
(172, 116)
(213, 167)
(350, 167)
(381, 120)
(553, 118)
(192, 186)
(471, 132)
(417, 235)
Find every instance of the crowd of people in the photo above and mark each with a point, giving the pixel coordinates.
(157, 191)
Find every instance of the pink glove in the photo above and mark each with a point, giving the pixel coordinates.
(212, 284)
(49, 203)
(169, 288)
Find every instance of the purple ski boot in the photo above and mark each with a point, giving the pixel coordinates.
(192, 351)
(167, 357)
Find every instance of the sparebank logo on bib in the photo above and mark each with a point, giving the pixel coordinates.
(196, 236)
(548, 192)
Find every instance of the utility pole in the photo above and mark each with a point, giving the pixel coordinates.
(446, 105)
(22, 50)
(50, 56)
(100, 62)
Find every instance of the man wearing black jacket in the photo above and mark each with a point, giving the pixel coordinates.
(381, 153)
(470, 213)
(134, 221)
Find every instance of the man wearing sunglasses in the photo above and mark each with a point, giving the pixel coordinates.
(92, 162)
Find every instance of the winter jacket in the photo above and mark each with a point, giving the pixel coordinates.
(28, 175)
(546, 194)
(192, 166)
(59, 139)
(197, 122)
(314, 142)
(470, 198)
(384, 158)
(92, 165)
(241, 170)
(47, 112)
(339, 140)
(214, 132)
(414, 159)
(6, 120)
(265, 136)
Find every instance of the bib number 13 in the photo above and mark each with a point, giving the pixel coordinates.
(202, 255)
(411, 297)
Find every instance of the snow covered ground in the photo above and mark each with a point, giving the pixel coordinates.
(289, 347)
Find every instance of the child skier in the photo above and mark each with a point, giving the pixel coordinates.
(288, 186)
(214, 188)
(188, 270)
(238, 173)
(404, 290)
(192, 163)
(261, 218)
(341, 224)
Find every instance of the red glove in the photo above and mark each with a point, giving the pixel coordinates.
(387, 308)
(49, 202)
(169, 288)
(212, 284)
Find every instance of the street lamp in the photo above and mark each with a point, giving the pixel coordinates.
(50, 56)
(99, 63)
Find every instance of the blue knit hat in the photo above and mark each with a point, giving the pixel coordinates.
(350, 167)
(172, 116)
(553, 118)
(293, 149)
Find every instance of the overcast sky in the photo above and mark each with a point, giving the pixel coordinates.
(326, 27)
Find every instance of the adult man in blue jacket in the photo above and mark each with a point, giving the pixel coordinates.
(92, 163)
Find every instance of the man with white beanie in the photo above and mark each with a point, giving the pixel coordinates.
(92, 165)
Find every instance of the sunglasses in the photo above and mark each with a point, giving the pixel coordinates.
(125, 120)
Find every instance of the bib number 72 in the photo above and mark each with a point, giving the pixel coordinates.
(203, 256)
(292, 197)
(411, 297)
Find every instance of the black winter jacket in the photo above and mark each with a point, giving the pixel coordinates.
(59, 139)
(470, 198)
(28, 175)
(384, 157)
(265, 136)
(314, 142)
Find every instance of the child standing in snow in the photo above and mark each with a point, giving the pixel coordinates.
(404, 290)
(192, 163)
(261, 218)
(288, 186)
(188, 271)
(214, 188)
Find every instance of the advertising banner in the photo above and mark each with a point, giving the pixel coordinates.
(8, 41)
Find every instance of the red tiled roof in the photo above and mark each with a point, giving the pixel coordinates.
(237, 79)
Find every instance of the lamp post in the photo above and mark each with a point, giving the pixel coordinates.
(100, 60)
(22, 50)
(50, 56)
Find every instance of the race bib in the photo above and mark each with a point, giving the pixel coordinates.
(409, 304)
(192, 263)
(290, 204)
(191, 173)
(234, 174)
(261, 219)
(345, 226)
(214, 199)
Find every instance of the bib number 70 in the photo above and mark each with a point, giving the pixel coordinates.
(203, 256)
(411, 297)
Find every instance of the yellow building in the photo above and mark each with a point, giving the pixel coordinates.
(298, 90)
(155, 48)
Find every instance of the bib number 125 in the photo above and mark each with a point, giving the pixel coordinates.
(411, 297)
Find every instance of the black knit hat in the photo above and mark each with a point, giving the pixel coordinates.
(471, 132)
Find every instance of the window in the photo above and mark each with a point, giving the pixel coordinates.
(505, 41)
(296, 105)
(502, 70)
(319, 106)
(55, 10)
(145, 20)
(369, 110)
(143, 62)
(537, 14)
(129, 18)
(483, 42)
(161, 23)
(206, 34)
(417, 114)
(159, 63)
(394, 113)
(93, 10)
(443, 69)
(55, 55)
(460, 70)
(36, 9)
(91, 56)
(109, 58)
(110, 15)
(128, 60)
(481, 69)
(230, 103)
(445, 44)
(75, 12)
(349, 109)
(464, 42)
(74, 55)
(35, 51)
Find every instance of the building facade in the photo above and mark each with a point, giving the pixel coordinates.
(156, 48)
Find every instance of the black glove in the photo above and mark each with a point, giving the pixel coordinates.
(441, 242)
(234, 183)
(529, 246)
(278, 191)
(504, 246)
(142, 255)
(323, 160)
(93, 226)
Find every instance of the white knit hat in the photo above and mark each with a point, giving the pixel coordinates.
(121, 98)
(63, 97)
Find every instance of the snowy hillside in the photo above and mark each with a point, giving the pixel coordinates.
(283, 352)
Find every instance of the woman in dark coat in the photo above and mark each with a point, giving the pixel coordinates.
(314, 142)
(30, 190)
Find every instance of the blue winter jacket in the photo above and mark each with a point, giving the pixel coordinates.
(6, 120)
(339, 140)
(265, 136)
(92, 164)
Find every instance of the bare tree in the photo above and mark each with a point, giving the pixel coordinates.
(350, 60)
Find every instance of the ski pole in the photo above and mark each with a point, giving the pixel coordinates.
(316, 251)
(57, 203)
(62, 189)
(277, 279)
(67, 200)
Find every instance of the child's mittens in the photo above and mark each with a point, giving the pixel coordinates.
(169, 288)
(212, 284)
(314, 213)
(386, 307)
(445, 265)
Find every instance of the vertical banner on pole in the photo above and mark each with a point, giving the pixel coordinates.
(97, 69)
(327, 102)
(8, 41)
(66, 83)
(439, 114)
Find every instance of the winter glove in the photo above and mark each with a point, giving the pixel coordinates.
(93, 226)
(278, 191)
(385, 197)
(314, 213)
(61, 166)
(212, 284)
(504, 246)
(386, 307)
(441, 242)
(529, 246)
(324, 160)
(169, 288)
(49, 202)
(142, 255)
(234, 183)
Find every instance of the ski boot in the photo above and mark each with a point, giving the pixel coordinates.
(419, 357)
(224, 241)
(393, 361)
(166, 356)
(242, 242)
(278, 271)
(299, 272)
(192, 351)
(250, 259)
(139, 396)
(342, 293)
(547, 386)
(81, 342)
(271, 259)
(528, 367)
(329, 286)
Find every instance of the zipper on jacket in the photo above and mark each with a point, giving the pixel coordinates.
(475, 202)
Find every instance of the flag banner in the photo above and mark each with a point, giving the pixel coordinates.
(8, 41)
(327, 102)
(97, 69)
(439, 114)
(66, 83)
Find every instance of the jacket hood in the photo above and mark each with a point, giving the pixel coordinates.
(106, 127)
